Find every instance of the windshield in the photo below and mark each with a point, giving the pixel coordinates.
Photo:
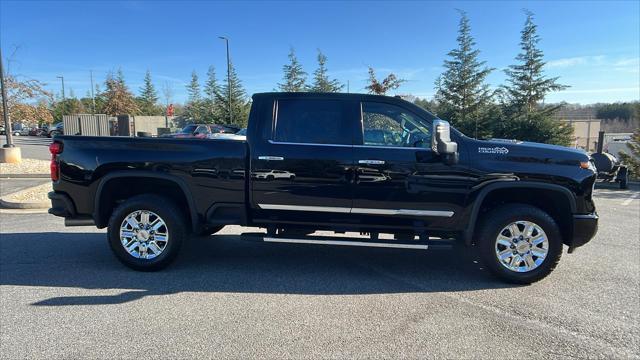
(188, 129)
(242, 132)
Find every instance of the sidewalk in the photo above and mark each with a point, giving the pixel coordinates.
(24, 193)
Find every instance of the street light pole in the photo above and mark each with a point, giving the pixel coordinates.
(228, 77)
(93, 98)
(5, 108)
(62, 78)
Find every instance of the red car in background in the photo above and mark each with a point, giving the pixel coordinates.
(202, 131)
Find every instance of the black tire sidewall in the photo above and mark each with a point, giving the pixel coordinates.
(176, 226)
(497, 219)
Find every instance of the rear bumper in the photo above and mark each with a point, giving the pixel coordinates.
(62, 205)
(585, 228)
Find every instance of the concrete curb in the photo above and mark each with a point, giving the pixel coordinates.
(25, 176)
(5, 203)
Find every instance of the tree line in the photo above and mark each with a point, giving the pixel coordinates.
(514, 110)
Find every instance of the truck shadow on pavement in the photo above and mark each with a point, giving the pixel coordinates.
(226, 264)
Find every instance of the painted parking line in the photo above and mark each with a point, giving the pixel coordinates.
(630, 199)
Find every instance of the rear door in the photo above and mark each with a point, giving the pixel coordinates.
(302, 168)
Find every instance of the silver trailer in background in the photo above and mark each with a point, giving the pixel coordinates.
(86, 124)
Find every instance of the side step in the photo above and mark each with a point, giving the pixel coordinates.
(347, 243)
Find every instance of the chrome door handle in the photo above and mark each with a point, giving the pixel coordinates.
(371, 162)
(270, 158)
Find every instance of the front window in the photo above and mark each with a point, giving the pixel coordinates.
(390, 125)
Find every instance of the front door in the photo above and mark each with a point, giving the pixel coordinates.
(400, 181)
(303, 170)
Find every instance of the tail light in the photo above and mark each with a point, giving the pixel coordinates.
(55, 149)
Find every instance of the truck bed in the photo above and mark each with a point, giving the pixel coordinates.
(87, 162)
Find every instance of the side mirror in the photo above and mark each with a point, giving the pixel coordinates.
(441, 143)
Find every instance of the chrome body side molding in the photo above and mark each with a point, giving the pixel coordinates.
(345, 210)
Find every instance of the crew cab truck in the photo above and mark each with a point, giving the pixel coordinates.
(354, 163)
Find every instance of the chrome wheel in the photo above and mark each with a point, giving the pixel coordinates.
(521, 246)
(143, 234)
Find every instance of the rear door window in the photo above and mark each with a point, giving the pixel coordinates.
(312, 121)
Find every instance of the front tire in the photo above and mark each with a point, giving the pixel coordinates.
(146, 232)
(519, 243)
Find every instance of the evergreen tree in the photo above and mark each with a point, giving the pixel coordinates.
(631, 158)
(118, 98)
(148, 100)
(212, 90)
(100, 100)
(462, 93)
(194, 108)
(391, 82)
(295, 77)
(321, 82)
(526, 88)
(239, 104)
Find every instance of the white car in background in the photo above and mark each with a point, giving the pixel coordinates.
(240, 135)
(272, 174)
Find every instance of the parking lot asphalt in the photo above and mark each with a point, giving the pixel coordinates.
(31, 147)
(63, 295)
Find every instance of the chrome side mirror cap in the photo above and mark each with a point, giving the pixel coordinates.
(441, 140)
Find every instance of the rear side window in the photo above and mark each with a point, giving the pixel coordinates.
(312, 121)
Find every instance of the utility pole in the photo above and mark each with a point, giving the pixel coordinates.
(5, 108)
(228, 77)
(64, 103)
(93, 98)
(62, 78)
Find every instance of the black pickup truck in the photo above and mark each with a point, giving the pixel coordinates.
(372, 165)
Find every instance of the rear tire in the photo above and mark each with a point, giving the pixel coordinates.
(531, 257)
(146, 232)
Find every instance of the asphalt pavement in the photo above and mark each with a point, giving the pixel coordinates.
(63, 295)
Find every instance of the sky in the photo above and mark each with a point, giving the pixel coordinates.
(592, 46)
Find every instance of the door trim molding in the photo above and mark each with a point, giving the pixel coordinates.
(346, 210)
(332, 209)
(409, 212)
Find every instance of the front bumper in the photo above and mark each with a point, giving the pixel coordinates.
(585, 228)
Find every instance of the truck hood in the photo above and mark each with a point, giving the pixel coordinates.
(530, 152)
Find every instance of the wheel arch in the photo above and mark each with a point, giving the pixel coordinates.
(137, 183)
(558, 201)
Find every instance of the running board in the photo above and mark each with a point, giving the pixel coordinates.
(346, 243)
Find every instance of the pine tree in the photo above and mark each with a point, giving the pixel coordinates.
(194, 108)
(239, 104)
(118, 98)
(527, 86)
(295, 77)
(148, 100)
(212, 90)
(631, 158)
(462, 93)
(321, 82)
(391, 82)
